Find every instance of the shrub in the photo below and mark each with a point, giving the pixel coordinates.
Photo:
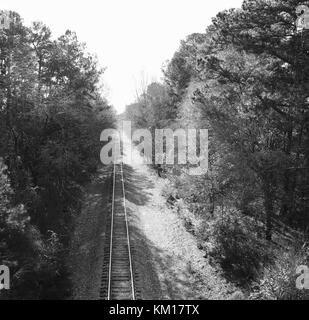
(238, 295)
(36, 264)
(240, 253)
(278, 281)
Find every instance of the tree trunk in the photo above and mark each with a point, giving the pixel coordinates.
(269, 210)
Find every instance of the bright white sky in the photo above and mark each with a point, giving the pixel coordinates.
(132, 38)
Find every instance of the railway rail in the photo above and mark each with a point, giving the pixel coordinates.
(118, 278)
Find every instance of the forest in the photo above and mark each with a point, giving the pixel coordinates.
(52, 112)
(246, 80)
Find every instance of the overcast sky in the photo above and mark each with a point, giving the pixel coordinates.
(132, 38)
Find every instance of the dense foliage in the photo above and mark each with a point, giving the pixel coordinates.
(51, 116)
(246, 79)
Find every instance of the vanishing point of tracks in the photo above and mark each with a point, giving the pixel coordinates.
(118, 278)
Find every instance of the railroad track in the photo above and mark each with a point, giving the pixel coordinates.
(118, 279)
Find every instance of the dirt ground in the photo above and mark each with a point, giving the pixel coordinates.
(86, 258)
(177, 268)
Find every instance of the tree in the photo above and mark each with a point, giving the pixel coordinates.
(51, 117)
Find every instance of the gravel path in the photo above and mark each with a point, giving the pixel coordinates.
(175, 268)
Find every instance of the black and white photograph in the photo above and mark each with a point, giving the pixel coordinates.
(154, 155)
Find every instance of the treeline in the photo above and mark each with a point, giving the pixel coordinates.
(51, 116)
(246, 79)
